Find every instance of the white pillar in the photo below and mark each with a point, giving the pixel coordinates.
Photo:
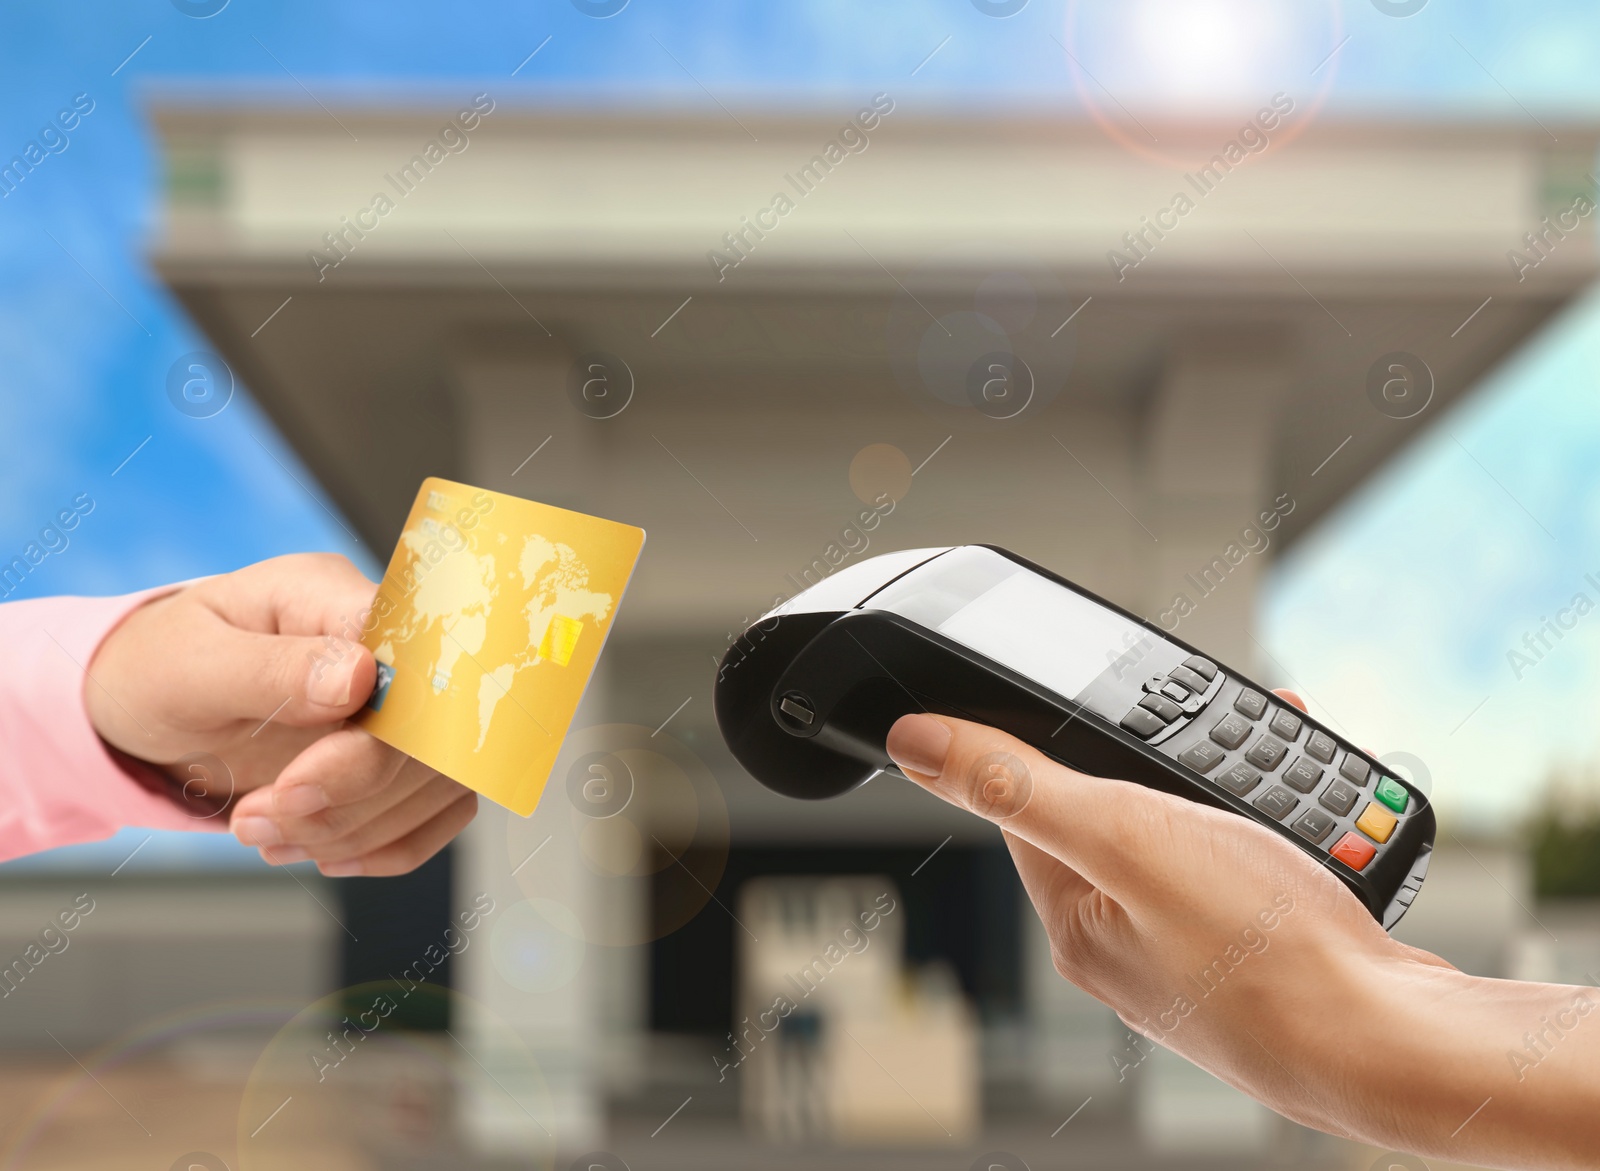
(1209, 466)
(509, 406)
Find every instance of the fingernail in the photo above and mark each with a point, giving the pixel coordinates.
(299, 800)
(257, 831)
(329, 683)
(919, 744)
(283, 855)
(352, 869)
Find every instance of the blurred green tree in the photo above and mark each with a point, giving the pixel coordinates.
(1564, 837)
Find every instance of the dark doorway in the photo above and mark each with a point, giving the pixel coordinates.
(390, 923)
(961, 906)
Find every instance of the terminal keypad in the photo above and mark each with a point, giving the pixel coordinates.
(1256, 751)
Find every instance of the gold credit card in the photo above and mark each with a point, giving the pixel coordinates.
(486, 629)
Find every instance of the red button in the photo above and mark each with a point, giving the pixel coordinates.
(1353, 852)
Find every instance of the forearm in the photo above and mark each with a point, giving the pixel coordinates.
(1492, 1072)
(58, 782)
(1392, 1047)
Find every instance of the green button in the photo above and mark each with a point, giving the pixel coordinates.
(1393, 794)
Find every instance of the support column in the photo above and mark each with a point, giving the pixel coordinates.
(510, 406)
(1214, 509)
(1209, 463)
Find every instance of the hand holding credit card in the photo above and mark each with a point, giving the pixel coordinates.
(486, 629)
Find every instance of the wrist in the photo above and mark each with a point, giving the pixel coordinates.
(1423, 1053)
(1514, 1070)
(1338, 1034)
(111, 685)
(1479, 1070)
(1364, 1038)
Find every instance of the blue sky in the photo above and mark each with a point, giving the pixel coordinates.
(88, 336)
(1398, 614)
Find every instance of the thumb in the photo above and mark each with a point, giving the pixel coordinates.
(1091, 824)
(289, 679)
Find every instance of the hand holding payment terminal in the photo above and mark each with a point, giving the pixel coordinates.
(806, 697)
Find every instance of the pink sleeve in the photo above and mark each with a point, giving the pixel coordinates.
(59, 783)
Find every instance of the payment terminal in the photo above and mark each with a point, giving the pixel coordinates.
(806, 696)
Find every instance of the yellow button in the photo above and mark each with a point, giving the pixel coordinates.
(1377, 822)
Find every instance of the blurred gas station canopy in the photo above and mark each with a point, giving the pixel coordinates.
(1230, 292)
